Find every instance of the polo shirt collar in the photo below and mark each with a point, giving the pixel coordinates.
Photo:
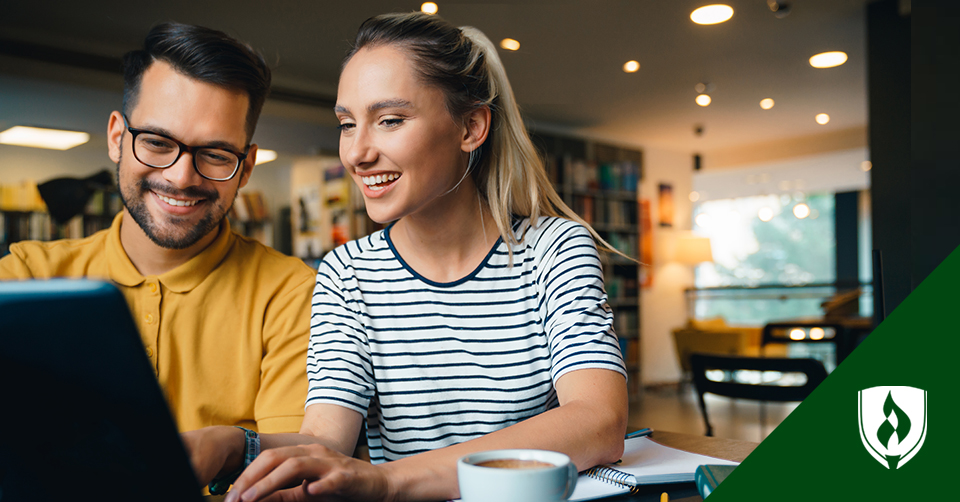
(181, 279)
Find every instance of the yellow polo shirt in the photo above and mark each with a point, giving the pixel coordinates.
(226, 332)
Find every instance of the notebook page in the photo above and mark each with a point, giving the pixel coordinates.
(651, 462)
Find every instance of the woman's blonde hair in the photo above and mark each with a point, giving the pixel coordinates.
(465, 66)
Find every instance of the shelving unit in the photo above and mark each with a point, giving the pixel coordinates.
(250, 216)
(600, 183)
(32, 222)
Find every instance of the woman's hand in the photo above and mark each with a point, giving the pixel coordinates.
(315, 472)
(214, 451)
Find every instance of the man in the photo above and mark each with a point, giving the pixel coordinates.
(224, 319)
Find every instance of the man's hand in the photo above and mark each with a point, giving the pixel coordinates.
(316, 472)
(214, 451)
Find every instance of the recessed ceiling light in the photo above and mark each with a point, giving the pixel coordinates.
(822, 118)
(36, 137)
(703, 99)
(766, 103)
(429, 8)
(694, 196)
(866, 166)
(828, 59)
(264, 156)
(510, 44)
(712, 14)
(801, 210)
(631, 66)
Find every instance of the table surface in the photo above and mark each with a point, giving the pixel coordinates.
(728, 449)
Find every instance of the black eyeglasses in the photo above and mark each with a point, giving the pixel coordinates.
(156, 150)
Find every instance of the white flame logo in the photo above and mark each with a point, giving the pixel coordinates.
(893, 423)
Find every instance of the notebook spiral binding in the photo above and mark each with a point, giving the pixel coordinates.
(611, 475)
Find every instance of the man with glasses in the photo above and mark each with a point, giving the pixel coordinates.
(224, 319)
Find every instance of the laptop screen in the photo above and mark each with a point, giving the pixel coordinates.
(83, 415)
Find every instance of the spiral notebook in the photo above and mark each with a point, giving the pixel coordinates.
(644, 462)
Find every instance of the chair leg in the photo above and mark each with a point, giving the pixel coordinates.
(763, 417)
(703, 411)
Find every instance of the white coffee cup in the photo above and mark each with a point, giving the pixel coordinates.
(552, 481)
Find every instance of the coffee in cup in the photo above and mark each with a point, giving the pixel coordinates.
(515, 463)
(516, 476)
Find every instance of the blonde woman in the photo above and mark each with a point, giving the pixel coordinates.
(476, 320)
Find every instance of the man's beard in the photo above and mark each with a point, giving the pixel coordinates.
(134, 200)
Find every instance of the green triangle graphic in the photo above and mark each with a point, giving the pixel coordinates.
(817, 454)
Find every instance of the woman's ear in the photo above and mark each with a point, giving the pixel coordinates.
(476, 126)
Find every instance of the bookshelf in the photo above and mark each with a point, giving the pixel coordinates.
(250, 216)
(600, 183)
(23, 216)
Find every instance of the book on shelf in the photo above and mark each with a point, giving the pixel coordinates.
(644, 462)
(258, 207)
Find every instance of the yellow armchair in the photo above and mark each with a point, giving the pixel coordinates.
(714, 336)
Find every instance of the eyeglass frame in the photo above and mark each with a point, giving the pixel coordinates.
(183, 147)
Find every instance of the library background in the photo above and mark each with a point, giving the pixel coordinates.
(599, 181)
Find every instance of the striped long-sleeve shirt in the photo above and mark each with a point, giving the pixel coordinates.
(434, 364)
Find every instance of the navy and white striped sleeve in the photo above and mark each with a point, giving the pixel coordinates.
(339, 367)
(577, 319)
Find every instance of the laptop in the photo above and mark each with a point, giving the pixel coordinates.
(83, 416)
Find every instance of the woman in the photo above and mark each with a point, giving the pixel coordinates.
(476, 321)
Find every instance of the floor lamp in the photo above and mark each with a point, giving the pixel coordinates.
(692, 250)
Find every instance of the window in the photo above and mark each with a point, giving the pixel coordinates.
(767, 241)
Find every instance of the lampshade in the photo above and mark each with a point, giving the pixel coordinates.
(693, 250)
(67, 197)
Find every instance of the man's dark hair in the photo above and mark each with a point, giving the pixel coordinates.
(202, 54)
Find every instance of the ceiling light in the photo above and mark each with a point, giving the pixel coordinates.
(703, 99)
(264, 156)
(694, 196)
(817, 333)
(765, 214)
(36, 137)
(797, 334)
(866, 166)
(822, 118)
(828, 59)
(801, 210)
(766, 103)
(631, 66)
(712, 14)
(429, 8)
(510, 44)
